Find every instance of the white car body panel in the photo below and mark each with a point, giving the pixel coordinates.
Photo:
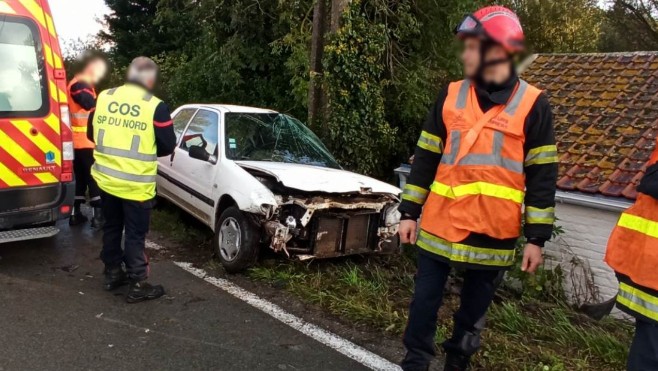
(319, 179)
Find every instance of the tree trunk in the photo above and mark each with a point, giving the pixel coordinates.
(337, 9)
(317, 100)
(317, 51)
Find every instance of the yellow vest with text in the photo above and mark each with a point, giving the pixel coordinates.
(126, 155)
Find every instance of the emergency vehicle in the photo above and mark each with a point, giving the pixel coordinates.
(36, 149)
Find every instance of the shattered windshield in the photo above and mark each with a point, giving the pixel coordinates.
(274, 137)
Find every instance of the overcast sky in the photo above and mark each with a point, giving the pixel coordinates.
(77, 18)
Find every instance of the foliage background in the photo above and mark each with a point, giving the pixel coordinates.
(383, 65)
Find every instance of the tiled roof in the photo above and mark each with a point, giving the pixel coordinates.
(606, 117)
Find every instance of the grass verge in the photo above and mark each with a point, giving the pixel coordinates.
(521, 334)
(177, 226)
(375, 292)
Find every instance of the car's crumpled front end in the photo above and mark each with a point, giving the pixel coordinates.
(329, 226)
(321, 224)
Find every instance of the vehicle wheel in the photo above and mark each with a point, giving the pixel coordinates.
(236, 240)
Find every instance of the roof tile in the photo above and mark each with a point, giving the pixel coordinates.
(606, 117)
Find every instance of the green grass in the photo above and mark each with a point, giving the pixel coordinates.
(178, 226)
(529, 335)
(556, 337)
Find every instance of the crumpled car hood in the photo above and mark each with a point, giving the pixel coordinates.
(319, 179)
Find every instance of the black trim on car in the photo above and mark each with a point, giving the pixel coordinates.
(187, 189)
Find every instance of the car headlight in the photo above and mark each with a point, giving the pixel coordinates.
(391, 215)
(266, 209)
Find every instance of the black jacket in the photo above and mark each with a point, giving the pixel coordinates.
(541, 179)
(82, 94)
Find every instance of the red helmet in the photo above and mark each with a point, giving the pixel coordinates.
(495, 23)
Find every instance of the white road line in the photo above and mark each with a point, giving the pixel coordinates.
(346, 347)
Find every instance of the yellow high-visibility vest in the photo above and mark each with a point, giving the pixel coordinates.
(126, 155)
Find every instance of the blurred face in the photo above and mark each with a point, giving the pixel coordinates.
(497, 72)
(471, 56)
(149, 84)
(96, 70)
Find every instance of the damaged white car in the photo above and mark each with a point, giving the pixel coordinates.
(261, 178)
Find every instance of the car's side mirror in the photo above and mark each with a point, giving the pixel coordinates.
(199, 153)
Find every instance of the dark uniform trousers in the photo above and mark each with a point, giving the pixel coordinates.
(133, 217)
(476, 296)
(82, 162)
(643, 355)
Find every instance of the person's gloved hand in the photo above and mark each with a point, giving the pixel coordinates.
(649, 183)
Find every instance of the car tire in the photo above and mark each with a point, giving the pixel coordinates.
(236, 240)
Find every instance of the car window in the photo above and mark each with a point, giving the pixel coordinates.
(181, 119)
(23, 91)
(202, 132)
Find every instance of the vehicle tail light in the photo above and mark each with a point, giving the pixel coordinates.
(67, 145)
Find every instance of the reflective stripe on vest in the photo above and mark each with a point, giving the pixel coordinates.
(81, 115)
(638, 301)
(633, 244)
(126, 154)
(465, 253)
(473, 159)
(639, 224)
(123, 175)
(414, 194)
(462, 96)
(133, 153)
(478, 188)
(513, 105)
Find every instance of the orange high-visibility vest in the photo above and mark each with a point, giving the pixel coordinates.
(633, 253)
(480, 184)
(79, 117)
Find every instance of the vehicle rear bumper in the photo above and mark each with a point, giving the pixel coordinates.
(36, 206)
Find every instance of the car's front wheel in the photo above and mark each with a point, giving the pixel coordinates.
(236, 240)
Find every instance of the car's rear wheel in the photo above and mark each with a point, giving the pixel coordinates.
(236, 240)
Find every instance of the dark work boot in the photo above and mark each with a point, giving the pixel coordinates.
(140, 291)
(97, 221)
(456, 362)
(77, 217)
(114, 278)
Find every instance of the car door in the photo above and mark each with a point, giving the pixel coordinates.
(196, 178)
(166, 188)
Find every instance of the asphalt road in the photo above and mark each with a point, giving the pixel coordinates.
(55, 316)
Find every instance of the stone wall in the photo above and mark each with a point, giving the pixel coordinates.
(580, 251)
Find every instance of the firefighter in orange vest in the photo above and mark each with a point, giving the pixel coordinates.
(486, 149)
(633, 254)
(82, 99)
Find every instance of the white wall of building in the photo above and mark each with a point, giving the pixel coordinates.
(580, 251)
